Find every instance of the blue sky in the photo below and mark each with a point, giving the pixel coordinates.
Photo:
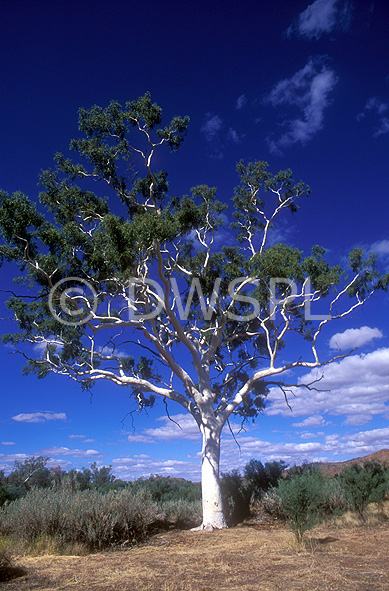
(300, 85)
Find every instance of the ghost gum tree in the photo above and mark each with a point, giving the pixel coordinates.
(143, 272)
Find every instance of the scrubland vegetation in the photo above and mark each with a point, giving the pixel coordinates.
(51, 512)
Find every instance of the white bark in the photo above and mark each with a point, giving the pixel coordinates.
(213, 515)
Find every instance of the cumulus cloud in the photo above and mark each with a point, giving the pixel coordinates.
(75, 453)
(40, 417)
(356, 388)
(308, 435)
(322, 16)
(354, 337)
(380, 111)
(137, 466)
(308, 90)
(184, 427)
(135, 438)
(313, 421)
(294, 452)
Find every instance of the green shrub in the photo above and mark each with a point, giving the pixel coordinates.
(164, 488)
(302, 501)
(85, 517)
(180, 513)
(271, 503)
(363, 485)
(259, 478)
(333, 497)
(235, 497)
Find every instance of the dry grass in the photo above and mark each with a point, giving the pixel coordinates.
(249, 558)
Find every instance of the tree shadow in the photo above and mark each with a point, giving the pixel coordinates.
(8, 572)
(322, 541)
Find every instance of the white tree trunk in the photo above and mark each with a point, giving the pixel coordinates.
(213, 514)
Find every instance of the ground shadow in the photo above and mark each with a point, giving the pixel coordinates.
(8, 572)
(323, 541)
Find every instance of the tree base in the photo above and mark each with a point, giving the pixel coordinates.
(208, 527)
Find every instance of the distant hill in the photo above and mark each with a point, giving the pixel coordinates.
(332, 468)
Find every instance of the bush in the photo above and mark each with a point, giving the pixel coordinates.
(271, 503)
(259, 478)
(301, 498)
(164, 488)
(180, 514)
(363, 485)
(235, 497)
(80, 517)
(333, 498)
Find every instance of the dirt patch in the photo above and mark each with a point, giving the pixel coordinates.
(255, 558)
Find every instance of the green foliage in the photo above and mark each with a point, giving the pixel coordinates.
(179, 513)
(29, 473)
(83, 234)
(90, 518)
(364, 484)
(235, 497)
(259, 478)
(301, 498)
(164, 489)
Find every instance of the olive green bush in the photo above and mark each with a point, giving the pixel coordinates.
(90, 518)
(235, 496)
(271, 504)
(180, 514)
(164, 488)
(302, 501)
(363, 485)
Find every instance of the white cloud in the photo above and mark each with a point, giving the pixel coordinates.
(294, 452)
(308, 89)
(211, 127)
(142, 466)
(216, 135)
(308, 435)
(322, 16)
(233, 136)
(7, 443)
(110, 350)
(185, 429)
(375, 438)
(140, 439)
(7, 460)
(313, 421)
(354, 337)
(64, 464)
(356, 387)
(75, 453)
(380, 110)
(380, 248)
(82, 437)
(40, 417)
(241, 102)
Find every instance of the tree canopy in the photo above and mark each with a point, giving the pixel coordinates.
(156, 292)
